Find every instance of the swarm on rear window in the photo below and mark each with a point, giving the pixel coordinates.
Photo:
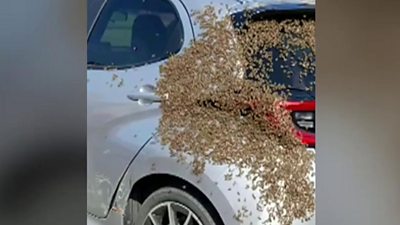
(213, 114)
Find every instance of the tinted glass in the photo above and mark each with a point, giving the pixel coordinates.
(301, 84)
(135, 32)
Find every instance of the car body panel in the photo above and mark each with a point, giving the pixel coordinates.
(227, 196)
(156, 159)
(122, 148)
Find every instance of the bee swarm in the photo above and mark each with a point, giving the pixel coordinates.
(214, 115)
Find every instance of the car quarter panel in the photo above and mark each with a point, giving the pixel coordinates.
(227, 196)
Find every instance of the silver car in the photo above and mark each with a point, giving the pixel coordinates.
(132, 179)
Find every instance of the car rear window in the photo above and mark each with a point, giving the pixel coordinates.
(288, 67)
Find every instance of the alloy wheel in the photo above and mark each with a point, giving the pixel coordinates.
(171, 213)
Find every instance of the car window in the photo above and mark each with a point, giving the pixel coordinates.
(288, 71)
(135, 32)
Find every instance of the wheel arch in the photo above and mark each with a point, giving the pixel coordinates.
(148, 184)
(155, 165)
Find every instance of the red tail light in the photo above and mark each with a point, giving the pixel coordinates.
(303, 114)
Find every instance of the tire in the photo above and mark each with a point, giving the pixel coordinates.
(131, 212)
(179, 200)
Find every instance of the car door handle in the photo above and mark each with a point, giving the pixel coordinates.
(146, 95)
(144, 99)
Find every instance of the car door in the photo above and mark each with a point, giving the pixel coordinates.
(126, 46)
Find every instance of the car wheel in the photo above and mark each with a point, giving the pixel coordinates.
(172, 206)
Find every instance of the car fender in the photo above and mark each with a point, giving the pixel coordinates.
(228, 196)
(154, 159)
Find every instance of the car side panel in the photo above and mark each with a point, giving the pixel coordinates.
(117, 127)
(227, 196)
(155, 159)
